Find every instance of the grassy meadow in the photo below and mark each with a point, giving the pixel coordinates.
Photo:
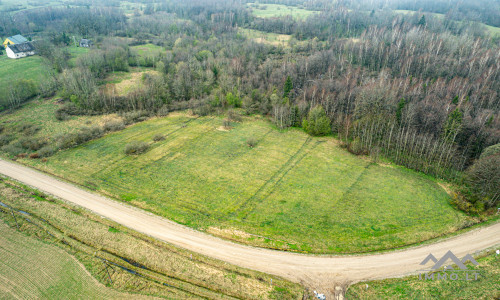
(43, 248)
(266, 37)
(36, 120)
(278, 10)
(289, 192)
(411, 287)
(29, 68)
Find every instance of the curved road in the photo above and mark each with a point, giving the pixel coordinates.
(318, 272)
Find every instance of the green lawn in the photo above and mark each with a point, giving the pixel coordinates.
(31, 68)
(289, 192)
(486, 287)
(278, 10)
(31, 269)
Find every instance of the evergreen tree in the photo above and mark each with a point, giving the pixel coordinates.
(287, 87)
(422, 21)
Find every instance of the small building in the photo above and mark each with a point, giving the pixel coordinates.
(13, 40)
(86, 43)
(20, 50)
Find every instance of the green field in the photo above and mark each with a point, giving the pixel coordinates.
(31, 269)
(289, 192)
(17, 5)
(40, 114)
(265, 37)
(30, 68)
(486, 287)
(278, 10)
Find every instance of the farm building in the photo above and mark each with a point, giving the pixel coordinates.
(86, 43)
(20, 50)
(13, 40)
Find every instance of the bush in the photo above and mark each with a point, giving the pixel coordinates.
(47, 151)
(114, 125)
(356, 148)
(136, 148)
(13, 149)
(252, 142)
(32, 143)
(135, 116)
(28, 129)
(317, 123)
(34, 155)
(226, 123)
(158, 137)
(482, 182)
(233, 116)
(5, 139)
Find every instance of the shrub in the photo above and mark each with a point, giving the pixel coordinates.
(135, 116)
(226, 123)
(355, 147)
(32, 143)
(136, 148)
(482, 181)
(158, 137)
(47, 151)
(233, 116)
(28, 129)
(252, 142)
(34, 155)
(317, 123)
(13, 149)
(114, 125)
(5, 139)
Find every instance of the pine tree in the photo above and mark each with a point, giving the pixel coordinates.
(287, 88)
(422, 21)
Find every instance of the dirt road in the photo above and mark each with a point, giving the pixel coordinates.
(319, 272)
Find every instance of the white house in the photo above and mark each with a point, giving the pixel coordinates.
(20, 50)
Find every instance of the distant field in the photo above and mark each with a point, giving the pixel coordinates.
(411, 287)
(31, 269)
(148, 50)
(492, 30)
(266, 37)
(16, 5)
(278, 10)
(289, 192)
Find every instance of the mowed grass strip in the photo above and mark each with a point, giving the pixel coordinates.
(288, 192)
(31, 269)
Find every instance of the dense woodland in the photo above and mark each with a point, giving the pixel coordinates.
(421, 90)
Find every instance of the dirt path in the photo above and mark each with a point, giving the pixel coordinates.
(318, 272)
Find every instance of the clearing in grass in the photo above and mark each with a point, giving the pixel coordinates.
(278, 10)
(289, 191)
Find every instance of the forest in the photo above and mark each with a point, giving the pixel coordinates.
(420, 89)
